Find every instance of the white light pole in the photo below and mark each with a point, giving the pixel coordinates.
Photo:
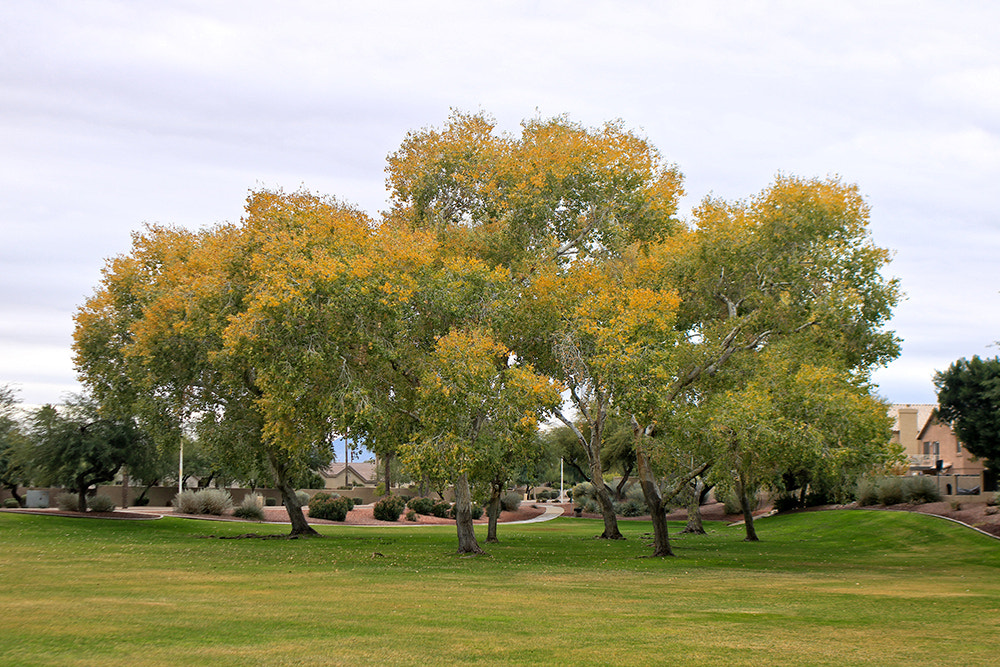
(562, 498)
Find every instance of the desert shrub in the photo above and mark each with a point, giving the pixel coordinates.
(581, 492)
(867, 492)
(993, 500)
(441, 510)
(357, 501)
(590, 506)
(421, 505)
(330, 508)
(547, 494)
(633, 491)
(271, 502)
(302, 497)
(921, 489)
(249, 509)
(411, 515)
(322, 496)
(101, 503)
(510, 501)
(389, 508)
(890, 490)
(630, 508)
(141, 501)
(10, 503)
(68, 502)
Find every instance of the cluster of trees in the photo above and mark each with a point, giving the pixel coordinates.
(969, 399)
(514, 279)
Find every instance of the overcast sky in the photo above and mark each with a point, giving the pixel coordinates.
(113, 114)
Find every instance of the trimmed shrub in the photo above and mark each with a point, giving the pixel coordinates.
(441, 510)
(101, 503)
(890, 490)
(249, 509)
(357, 501)
(68, 502)
(322, 496)
(510, 501)
(421, 505)
(921, 489)
(330, 508)
(867, 492)
(389, 508)
(10, 503)
(271, 502)
(411, 515)
(477, 512)
(302, 497)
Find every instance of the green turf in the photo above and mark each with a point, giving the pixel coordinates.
(830, 588)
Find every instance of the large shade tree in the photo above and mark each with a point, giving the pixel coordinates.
(552, 205)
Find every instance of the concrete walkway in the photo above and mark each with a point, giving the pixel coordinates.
(551, 512)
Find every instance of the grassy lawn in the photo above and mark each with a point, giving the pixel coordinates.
(831, 588)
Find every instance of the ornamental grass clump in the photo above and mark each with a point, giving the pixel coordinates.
(890, 490)
(204, 501)
(68, 502)
(101, 503)
(510, 501)
(249, 509)
(867, 492)
(389, 508)
(921, 489)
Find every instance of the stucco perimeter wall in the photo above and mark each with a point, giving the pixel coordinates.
(163, 496)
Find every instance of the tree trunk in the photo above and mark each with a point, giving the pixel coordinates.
(81, 496)
(620, 489)
(657, 509)
(299, 524)
(611, 531)
(694, 524)
(744, 496)
(467, 543)
(493, 513)
(592, 449)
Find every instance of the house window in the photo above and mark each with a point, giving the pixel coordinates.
(958, 448)
(931, 448)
